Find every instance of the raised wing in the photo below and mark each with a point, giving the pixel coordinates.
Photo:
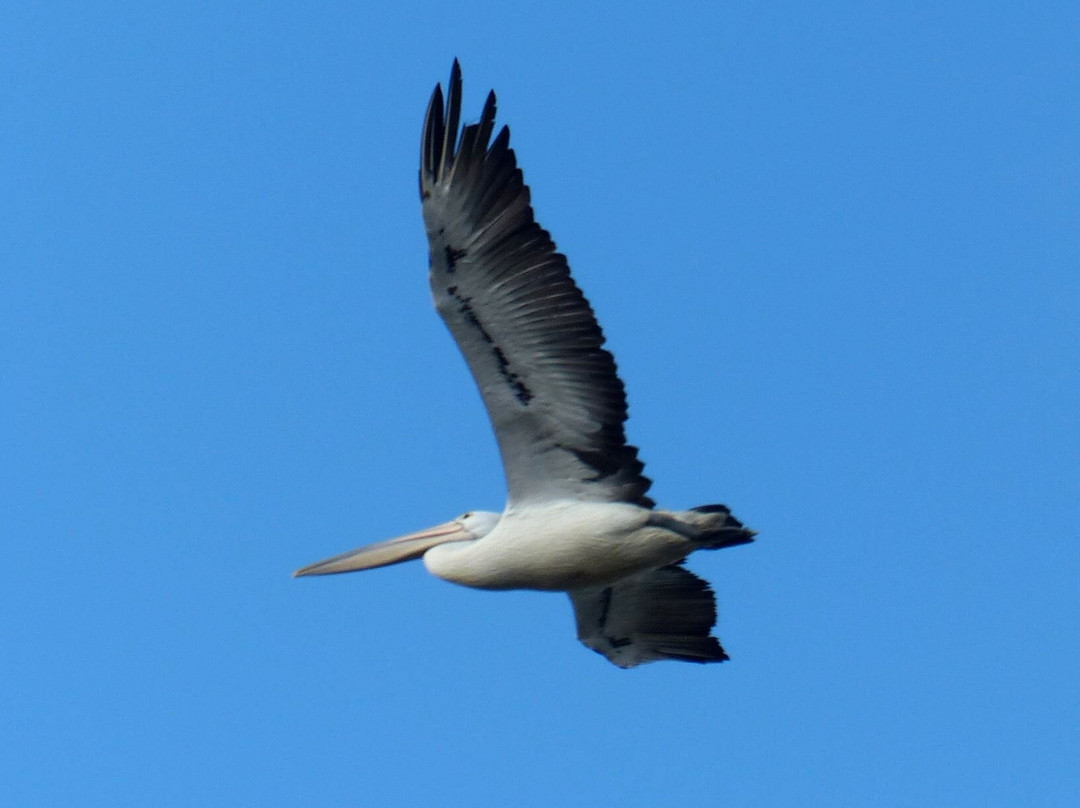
(528, 334)
(665, 613)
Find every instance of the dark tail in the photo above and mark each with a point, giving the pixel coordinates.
(724, 530)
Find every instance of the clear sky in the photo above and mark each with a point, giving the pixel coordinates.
(835, 249)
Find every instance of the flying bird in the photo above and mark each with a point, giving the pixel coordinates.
(578, 518)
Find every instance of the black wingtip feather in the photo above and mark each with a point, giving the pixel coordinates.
(433, 135)
(453, 118)
(487, 121)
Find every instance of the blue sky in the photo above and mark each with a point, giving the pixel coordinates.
(835, 250)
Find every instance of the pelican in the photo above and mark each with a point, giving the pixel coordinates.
(578, 518)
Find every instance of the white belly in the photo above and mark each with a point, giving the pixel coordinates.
(559, 546)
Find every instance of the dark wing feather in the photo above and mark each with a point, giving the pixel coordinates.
(529, 336)
(665, 613)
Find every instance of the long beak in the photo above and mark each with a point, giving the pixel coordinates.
(384, 553)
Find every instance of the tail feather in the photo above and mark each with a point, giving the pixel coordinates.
(723, 530)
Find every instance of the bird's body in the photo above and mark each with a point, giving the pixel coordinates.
(558, 546)
(578, 517)
(567, 545)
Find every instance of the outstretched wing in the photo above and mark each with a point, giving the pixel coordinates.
(665, 613)
(529, 336)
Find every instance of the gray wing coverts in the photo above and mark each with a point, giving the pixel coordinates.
(665, 613)
(529, 336)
